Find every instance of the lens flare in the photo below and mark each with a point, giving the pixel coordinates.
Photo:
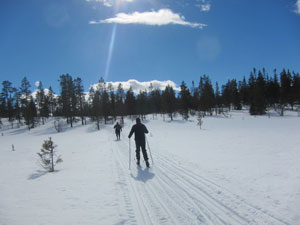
(110, 51)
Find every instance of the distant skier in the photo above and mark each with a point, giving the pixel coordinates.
(139, 131)
(118, 130)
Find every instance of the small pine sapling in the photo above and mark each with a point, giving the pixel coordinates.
(48, 159)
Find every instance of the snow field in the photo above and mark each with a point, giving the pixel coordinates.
(236, 170)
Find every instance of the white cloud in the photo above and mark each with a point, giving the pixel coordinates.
(46, 91)
(109, 3)
(37, 83)
(153, 18)
(297, 7)
(206, 7)
(138, 86)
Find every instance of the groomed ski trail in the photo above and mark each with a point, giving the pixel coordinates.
(168, 193)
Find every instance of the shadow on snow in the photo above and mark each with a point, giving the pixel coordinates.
(143, 174)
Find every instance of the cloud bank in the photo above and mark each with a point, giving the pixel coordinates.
(153, 18)
(138, 86)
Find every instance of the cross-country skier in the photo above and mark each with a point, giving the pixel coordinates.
(118, 130)
(139, 131)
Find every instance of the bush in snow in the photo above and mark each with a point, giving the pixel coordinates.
(48, 159)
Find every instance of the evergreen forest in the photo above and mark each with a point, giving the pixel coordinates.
(259, 93)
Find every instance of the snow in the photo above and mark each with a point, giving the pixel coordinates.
(236, 170)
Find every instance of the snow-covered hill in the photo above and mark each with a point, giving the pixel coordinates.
(236, 170)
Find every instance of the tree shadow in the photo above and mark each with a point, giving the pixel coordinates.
(143, 175)
(38, 174)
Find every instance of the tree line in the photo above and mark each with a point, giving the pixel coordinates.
(260, 92)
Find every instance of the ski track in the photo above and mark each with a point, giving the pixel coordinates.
(176, 195)
(230, 200)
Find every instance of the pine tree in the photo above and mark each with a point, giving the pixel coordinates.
(184, 101)
(96, 108)
(218, 99)
(258, 105)
(68, 99)
(7, 98)
(30, 113)
(41, 102)
(195, 97)
(285, 90)
(244, 92)
(120, 95)
(273, 91)
(296, 87)
(169, 101)
(157, 99)
(141, 102)
(52, 101)
(48, 159)
(112, 101)
(25, 88)
(105, 106)
(151, 106)
(17, 110)
(130, 102)
(80, 100)
(207, 96)
(154, 100)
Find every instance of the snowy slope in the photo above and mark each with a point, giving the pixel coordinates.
(236, 170)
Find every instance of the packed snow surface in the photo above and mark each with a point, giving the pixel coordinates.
(238, 169)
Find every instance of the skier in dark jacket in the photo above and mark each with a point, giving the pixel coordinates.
(118, 130)
(139, 131)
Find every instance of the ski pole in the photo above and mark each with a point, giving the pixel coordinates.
(149, 150)
(129, 154)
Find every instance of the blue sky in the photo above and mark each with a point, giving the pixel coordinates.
(146, 40)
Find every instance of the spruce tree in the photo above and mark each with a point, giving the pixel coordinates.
(244, 92)
(195, 97)
(68, 98)
(218, 99)
(30, 113)
(105, 106)
(285, 90)
(41, 102)
(184, 101)
(296, 87)
(120, 95)
(141, 102)
(154, 100)
(96, 108)
(52, 101)
(80, 100)
(169, 101)
(7, 101)
(130, 102)
(207, 96)
(258, 105)
(112, 101)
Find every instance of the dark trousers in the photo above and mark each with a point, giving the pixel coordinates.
(141, 144)
(118, 135)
